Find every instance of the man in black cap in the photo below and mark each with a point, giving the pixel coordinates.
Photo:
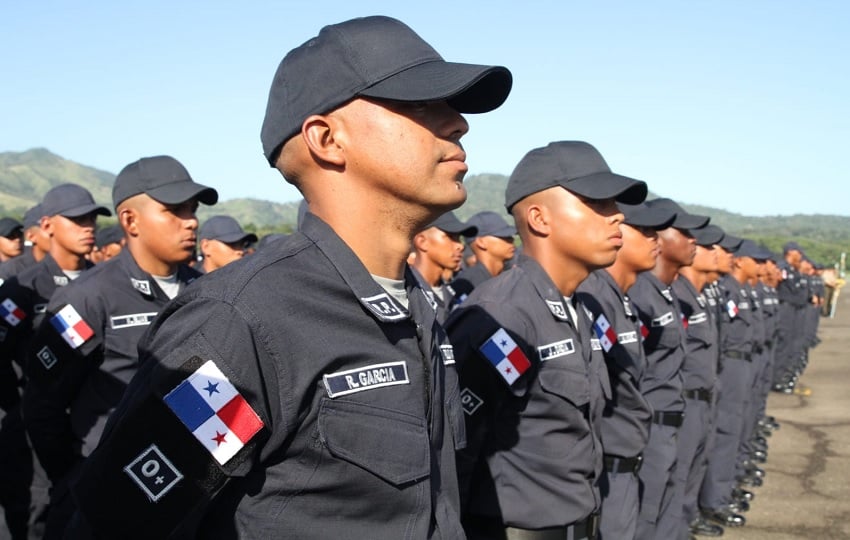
(11, 239)
(662, 381)
(108, 243)
(533, 378)
(492, 247)
(625, 422)
(438, 249)
(222, 241)
(793, 299)
(84, 351)
(69, 216)
(36, 245)
(308, 391)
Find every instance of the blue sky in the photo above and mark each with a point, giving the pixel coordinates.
(741, 105)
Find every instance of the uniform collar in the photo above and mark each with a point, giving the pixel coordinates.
(545, 288)
(663, 289)
(144, 282)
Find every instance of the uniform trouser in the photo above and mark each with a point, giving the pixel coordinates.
(23, 484)
(786, 342)
(765, 384)
(695, 436)
(656, 478)
(620, 505)
(750, 408)
(720, 475)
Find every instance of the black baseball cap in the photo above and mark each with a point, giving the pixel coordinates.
(489, 223)
(32, 217)
(224, 229)
(71, 200)
(684, 220)
(108, 235)
(9, 225)
(730, 243)
(377, 57)
(708, 236)
(641, 215)
(792, 246)
(575, 166)
(748, 248)
(163, 179)
(449, 223)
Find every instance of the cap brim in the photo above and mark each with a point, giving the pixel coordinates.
(653, 218)
(503, 232)
(707, 238)
(180, 192)
(607, 185)
(468, 88)
(236, 237)
(687, 221)
(85, 210)
(463, 230)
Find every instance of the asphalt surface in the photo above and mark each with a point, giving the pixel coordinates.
(806, 491)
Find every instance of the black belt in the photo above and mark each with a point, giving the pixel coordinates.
(702, 394)
(489, 527)
(616, 464)
(738, 355)
(668, 418)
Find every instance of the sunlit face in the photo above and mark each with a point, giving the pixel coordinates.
(749, 267)
(640, 248)
(218, 253)
(586, 230)
(410, 151)
(724, 261)
(167, 231)
(12, 245)
(705, 259)
(441, 248)
(72, 235)
(677, 246)
(501, 249)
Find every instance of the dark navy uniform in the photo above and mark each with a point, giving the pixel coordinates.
(625, 422)
(22, 481)
(736, 347)
(348, 416)
(534, 455)
(699, 379)
(18, 264)
(792, 301)
(72, 389)
(442, 302)
(467, 279)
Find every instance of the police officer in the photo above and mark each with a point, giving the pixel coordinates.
(793, 298)
(699, 377)
(662, 381)
(438, 249)
(36, 245)
(84, 351)
(533, 378)
(491, 248)
(69, 223)
(625, 422)
(222, 241)
(327, 401)
(11, 239)
(108, 243)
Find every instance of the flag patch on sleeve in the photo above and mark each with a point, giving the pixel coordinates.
(731, 309)
(505, 355)
(11, 312)
(214, 411)
(606, 334)
(73, 329)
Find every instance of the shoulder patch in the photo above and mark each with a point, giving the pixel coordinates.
(448, 354)
(505, 355)
(214, 411)
(557, 309)
(363, 378)
(731, 309)
(46, 357)
(141, 285)
(132, 319)
(383, 307)
(11, 312)
(556, 350)
(469, 401)
(153, 473)
(604, 332)
(73, 329)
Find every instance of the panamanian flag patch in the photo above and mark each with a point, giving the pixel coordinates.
(214, 411)
(73, 329)
(644, 331)
(606, 334)
(731, 309)
(505, 355)
(11, 312)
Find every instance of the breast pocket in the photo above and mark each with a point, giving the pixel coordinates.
(392, 445)
(566, 377)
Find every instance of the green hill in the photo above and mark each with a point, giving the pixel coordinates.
(26, 176)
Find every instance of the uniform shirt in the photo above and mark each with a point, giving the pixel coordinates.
(16, 265)
(759, 326)
(791, 290)
(664, 343)
(736, 323)
(24, 298)
(349, 410)
(465, 282)
(534, 455)
(770, 308)
(440, 303)
(72, 389)
(699, 369)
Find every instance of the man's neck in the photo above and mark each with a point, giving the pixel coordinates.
(665, 270)
(67, 260)
(623, 276)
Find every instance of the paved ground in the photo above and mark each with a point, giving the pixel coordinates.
(806, 493)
